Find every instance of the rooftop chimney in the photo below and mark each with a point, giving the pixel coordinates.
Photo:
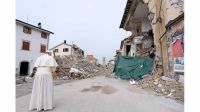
(65, 41)
(39, 25)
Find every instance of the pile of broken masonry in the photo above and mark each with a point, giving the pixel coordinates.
(163, 85)
(71, 67)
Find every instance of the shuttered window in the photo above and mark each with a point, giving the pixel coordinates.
(27, 29)
(55, 50)
(43, 48)
(65, 49)
(44, 35)
(25, 45)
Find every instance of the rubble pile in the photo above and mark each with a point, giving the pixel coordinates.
(163, 85)
(170, 86)
(75, 68)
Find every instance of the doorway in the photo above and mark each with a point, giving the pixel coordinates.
(128, 48)
(24, 66)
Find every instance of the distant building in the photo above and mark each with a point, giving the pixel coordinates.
(31, 42)
(104, 61)
(65, 49)
(91, 59)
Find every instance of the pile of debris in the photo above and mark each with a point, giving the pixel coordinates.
(163, 85)
(75, 68)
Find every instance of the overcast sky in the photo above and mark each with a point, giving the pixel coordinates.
(93, 25)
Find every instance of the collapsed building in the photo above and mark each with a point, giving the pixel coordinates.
(77, 51)
(72, 62)
(141, 45)
(150, 23)
(157, 32)
(72, 67)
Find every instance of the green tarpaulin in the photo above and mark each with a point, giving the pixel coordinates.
(127, 67)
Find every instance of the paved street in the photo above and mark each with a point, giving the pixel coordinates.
(26, 88)
(102, 94)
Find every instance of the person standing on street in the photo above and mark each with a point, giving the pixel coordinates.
(42, 92)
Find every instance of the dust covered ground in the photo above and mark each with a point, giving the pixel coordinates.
(24, 88)
(104, 94)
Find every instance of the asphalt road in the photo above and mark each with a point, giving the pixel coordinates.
(103, 94)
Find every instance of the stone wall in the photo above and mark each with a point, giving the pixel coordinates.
(164, 11)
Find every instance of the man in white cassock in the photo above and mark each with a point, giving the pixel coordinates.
(42, 92)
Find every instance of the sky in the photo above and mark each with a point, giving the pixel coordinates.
(93, 25)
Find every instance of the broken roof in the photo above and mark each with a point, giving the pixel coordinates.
(76, 47)
(126, 11)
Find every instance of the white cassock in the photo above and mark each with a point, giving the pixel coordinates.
(42, 92)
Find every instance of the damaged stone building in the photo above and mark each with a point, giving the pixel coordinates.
(65, 49)
(174, 37)
(151, 23)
